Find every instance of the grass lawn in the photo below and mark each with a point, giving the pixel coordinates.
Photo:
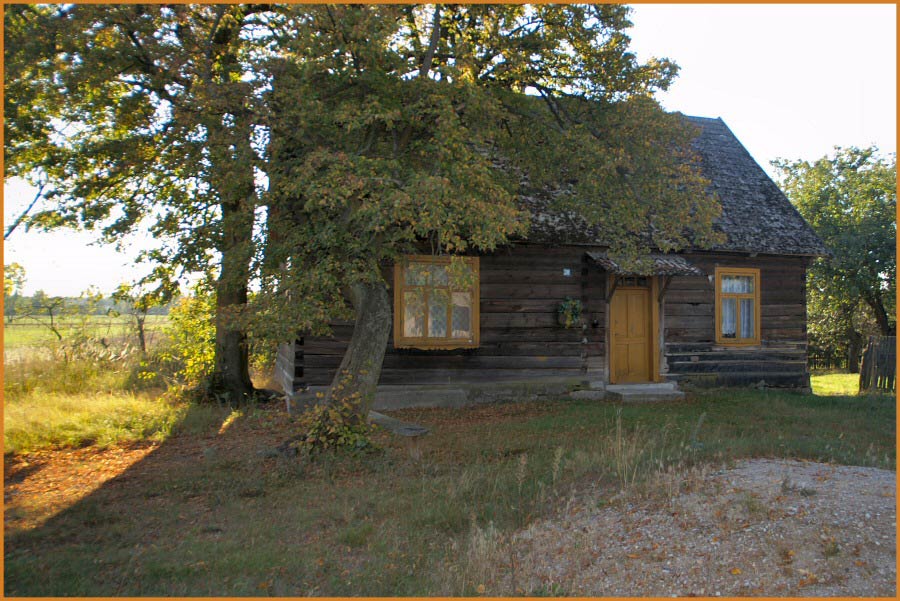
(211, 510)
(830, 384)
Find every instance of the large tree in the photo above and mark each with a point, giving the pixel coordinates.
(850, 199)
(398, 128)
(380, 130)
(144, 117)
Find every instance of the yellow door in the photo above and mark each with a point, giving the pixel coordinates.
(630, 339)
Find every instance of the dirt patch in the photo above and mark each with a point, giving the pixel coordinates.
(765, 527)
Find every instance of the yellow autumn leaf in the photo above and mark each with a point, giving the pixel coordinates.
(480, 589)
(736, 571)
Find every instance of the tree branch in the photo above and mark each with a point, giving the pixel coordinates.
(24, 214)
(433, 42)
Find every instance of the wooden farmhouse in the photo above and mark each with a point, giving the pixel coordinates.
(734, 315)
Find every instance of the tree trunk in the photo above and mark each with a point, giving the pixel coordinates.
(881, 316)
(854, 350)
(142, 337)
(357, 376)
(232, 158)
(232, 367)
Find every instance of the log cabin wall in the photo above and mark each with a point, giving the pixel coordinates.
(521, 339)
(690, 353)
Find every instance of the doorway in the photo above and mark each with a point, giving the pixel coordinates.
(631, 333)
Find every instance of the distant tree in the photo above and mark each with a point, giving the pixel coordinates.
(52, 308)
(137, 302)
(850, 200)
(13, 284)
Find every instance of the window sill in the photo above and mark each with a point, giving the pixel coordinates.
(443, 345)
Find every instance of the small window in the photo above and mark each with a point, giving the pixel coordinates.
(634, 281)
(737, 306)
(436, 303)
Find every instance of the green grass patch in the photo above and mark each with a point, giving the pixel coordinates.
(101, 419)
(835, 384)
(216, 513)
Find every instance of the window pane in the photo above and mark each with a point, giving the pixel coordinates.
(747, 317)
(462, 315)
(437, 314)
(438, 275)
(737, 284)
(461, 275)
(414, 314)
(416, 274)
(729, 318)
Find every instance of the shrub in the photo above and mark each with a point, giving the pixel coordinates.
(193, 334)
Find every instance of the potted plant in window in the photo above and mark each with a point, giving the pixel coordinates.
(568, 313)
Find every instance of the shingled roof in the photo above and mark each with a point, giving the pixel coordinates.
(756, 215)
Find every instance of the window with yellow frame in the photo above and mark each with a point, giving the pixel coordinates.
(737, 306)
(436, 302)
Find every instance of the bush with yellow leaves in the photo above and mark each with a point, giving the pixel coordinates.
(335, 425)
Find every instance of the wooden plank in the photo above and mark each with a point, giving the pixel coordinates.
(526, 276)
(689, 310)
(449, 376)
(519, 320)
(540, 305)
(552, 334)
(531, 291)
(413, 363)
(689, 321)
(690, 296)
(783, 309)
(680, 367)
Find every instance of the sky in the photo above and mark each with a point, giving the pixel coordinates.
(791, 81)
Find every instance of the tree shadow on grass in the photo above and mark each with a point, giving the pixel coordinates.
(152, 525)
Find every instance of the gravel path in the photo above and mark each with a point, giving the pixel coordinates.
(766, 527)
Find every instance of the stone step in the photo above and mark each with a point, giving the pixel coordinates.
(648, 386)
(642, 393)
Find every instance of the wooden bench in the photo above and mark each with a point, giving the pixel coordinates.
(410, 433)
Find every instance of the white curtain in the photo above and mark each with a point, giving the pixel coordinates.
(747, 315)
(737, 284)
(729, 318)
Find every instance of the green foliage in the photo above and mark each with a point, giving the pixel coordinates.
(569, 311)
(850, 199)
(13, 283)
(193, 334)
(422, 129)
(13, 279)
(334, 426)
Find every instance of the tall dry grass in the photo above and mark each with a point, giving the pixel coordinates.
(80, 393)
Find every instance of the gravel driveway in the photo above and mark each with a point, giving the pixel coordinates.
(765, 527)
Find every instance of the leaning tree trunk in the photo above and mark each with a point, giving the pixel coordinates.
(881, 315)
(357, 376)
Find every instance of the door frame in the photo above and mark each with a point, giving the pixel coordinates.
(653, 295)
